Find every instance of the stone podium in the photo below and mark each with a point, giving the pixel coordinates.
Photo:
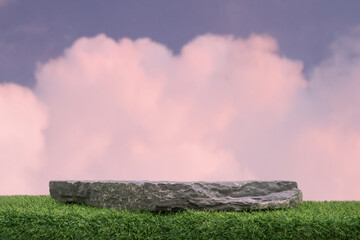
(174, 196)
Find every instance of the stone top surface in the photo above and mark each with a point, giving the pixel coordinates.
(141, 182)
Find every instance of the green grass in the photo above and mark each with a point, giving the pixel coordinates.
(40, 217)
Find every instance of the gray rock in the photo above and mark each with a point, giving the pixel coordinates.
(174, 196)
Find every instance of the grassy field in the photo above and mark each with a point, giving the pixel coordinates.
(40, 217)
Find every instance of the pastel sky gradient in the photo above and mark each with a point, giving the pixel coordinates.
(180, 90)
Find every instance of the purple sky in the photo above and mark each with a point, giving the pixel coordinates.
(180, 90)
(34, 31)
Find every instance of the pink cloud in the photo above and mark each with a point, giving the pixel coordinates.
(22, 121)
(224, 108)
(114, 116)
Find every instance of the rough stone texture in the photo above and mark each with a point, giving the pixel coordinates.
(174, 196)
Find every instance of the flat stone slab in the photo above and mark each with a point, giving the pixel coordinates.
(174, 196)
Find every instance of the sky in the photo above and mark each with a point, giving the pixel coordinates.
(181, 91)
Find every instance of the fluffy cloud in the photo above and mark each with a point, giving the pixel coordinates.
(223, 109)
(22, 121)
(331, 136)
(132, 110)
